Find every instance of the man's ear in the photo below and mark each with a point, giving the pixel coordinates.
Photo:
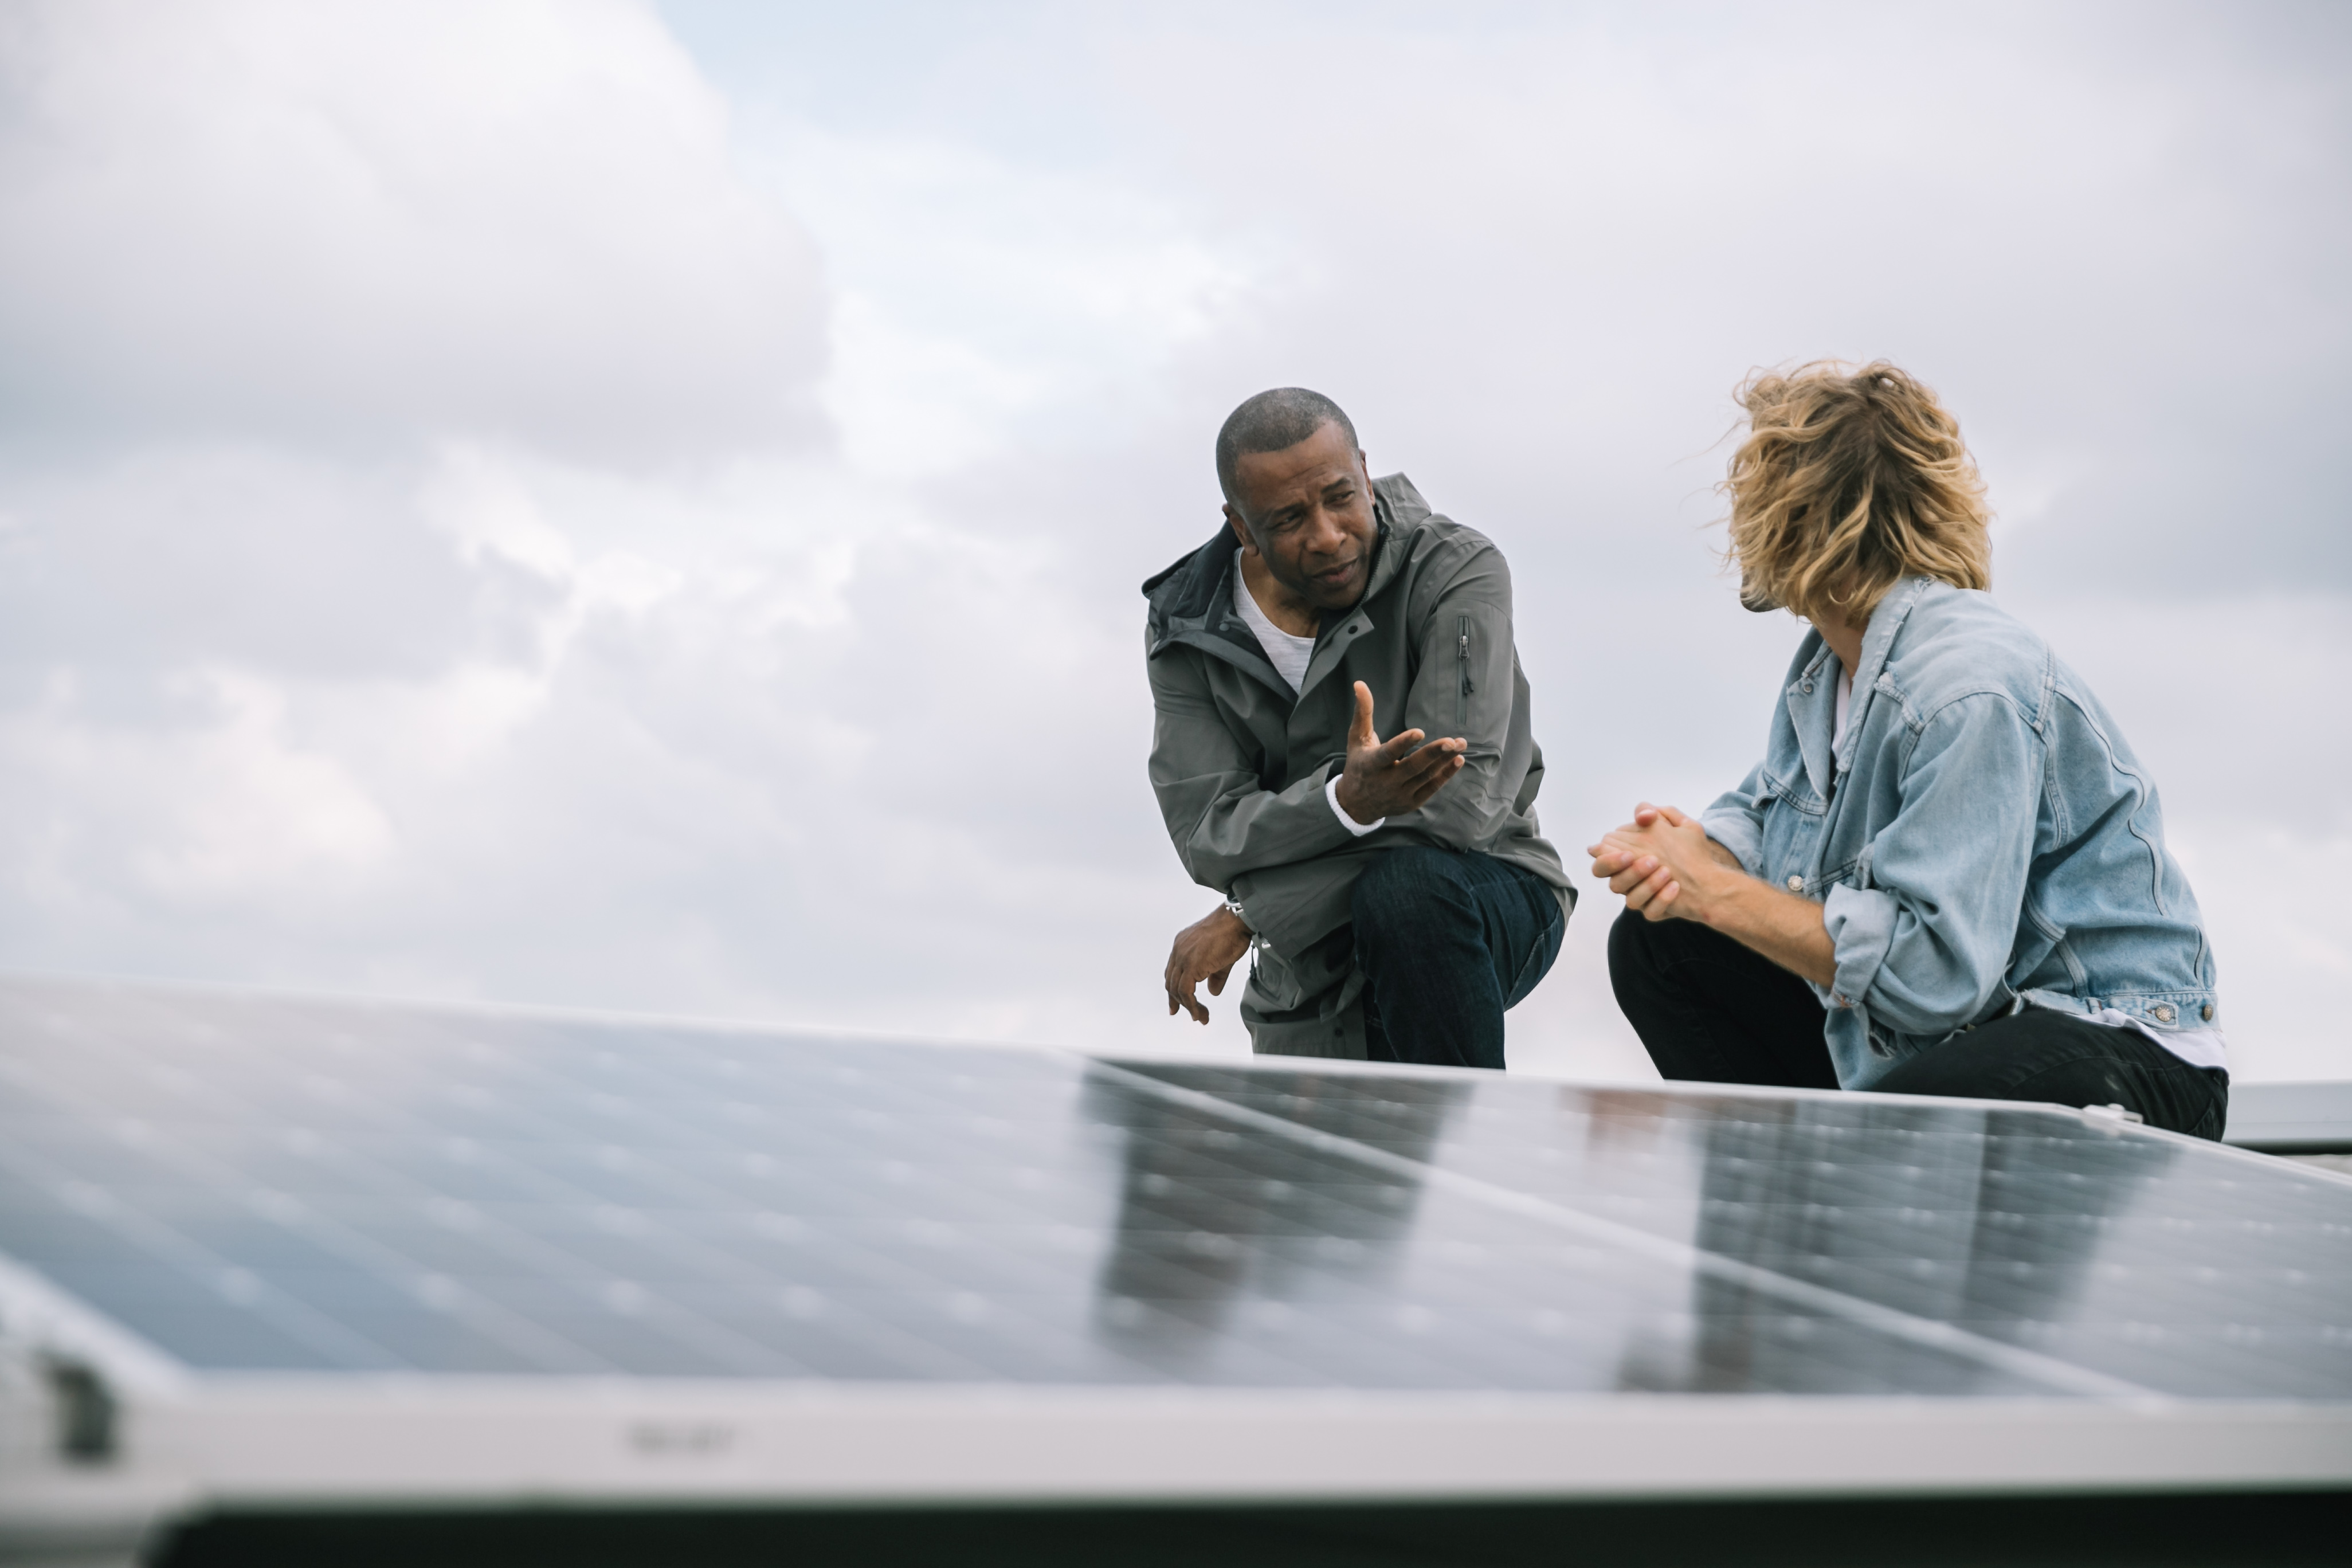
(1241, 529)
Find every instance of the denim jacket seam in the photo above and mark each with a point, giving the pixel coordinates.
(2059, 945)
(2054, 800)
(2144, 793)
(1784, 790)
(1929, 716)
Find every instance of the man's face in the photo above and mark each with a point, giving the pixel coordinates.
(1308, 510)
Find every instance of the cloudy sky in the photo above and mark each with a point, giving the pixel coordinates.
(641, 506)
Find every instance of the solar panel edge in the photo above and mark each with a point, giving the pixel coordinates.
(662, 1426)
(248, 1443)
(38, 1319)
(297, 1444)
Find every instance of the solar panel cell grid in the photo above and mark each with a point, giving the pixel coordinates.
(284, 1186)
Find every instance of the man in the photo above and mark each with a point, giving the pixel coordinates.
(1397, 893)
(1949, 874)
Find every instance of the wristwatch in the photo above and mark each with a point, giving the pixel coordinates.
(1233, 908)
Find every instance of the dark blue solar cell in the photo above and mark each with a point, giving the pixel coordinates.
(261, 1185)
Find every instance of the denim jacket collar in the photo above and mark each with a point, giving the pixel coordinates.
(1812, 711)
(1812, 695)
(1885, 622)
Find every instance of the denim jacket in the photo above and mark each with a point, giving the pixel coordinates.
(1982, 840)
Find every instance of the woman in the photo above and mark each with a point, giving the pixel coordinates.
(1949, 874)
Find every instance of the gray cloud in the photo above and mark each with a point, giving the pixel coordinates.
(497, 502)
(253, 218)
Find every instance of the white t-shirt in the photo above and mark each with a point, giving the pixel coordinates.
(2204, 1048)
(1287, 653)
(1289, 656)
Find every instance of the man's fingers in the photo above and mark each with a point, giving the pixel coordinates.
(1632, 874)
(1639, 897)
(1662, 906)
(1189, 1002)
(1360, 732)
(1437, 779)
(1432, 758)
(1217, 980)
(1398, 749)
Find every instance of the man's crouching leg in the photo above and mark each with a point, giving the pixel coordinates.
(1446, 942)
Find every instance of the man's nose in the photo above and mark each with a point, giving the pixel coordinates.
(1323, 534)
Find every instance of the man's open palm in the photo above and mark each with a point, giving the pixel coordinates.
(1385, 777)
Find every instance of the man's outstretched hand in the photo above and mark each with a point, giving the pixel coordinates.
(1206, 949)
(1385, 777)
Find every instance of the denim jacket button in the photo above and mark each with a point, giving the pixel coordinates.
(2206, 1012)
(1796, 883)
(1807, 688)
(2163, 1012)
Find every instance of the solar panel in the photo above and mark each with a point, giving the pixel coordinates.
(2281, 1117)
(324, 1250)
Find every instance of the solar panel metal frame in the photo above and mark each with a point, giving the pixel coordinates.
(2298, 1117)
(279, 1440)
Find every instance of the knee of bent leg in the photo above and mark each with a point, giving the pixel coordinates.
(1396, 892)
(1632, 946)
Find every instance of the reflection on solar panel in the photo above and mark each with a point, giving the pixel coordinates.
(316, 1251)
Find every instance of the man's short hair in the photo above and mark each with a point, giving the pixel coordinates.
(1848, 482)
(1273, 422)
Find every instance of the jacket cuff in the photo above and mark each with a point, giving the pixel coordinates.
(1332, 794)
(1737, 832)
(1860, 922)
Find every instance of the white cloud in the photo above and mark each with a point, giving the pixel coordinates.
(980, 296)
(352, 222)
(425, 563)
(218, 809)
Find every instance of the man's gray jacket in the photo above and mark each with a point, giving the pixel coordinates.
(1239, 766)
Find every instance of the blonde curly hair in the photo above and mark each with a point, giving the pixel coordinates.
(1848, 482)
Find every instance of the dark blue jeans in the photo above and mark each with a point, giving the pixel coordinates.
(1447, 942)
(1709, 1010)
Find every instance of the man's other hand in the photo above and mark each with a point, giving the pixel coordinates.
(1663, 864)
(1383, 778)
(1206, 949)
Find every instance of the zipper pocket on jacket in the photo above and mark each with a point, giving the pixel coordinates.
(1462, 658)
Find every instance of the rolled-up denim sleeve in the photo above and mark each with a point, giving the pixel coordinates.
(1923, 947)
(1860, 922)
(1735, 821)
